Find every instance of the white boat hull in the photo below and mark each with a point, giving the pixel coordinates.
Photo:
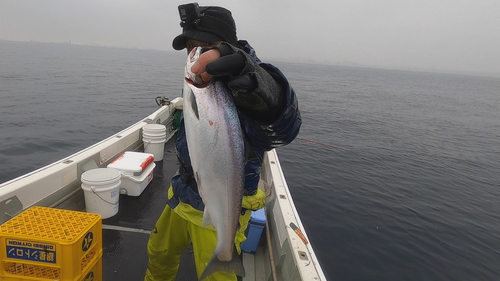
(58, 185)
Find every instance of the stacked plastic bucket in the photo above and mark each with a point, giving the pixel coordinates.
(154, 137)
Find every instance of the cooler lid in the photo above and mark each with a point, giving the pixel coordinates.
(259, 216)
(131, 161)
(143, 176)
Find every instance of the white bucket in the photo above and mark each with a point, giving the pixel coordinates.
(101, 190)
(154, 137)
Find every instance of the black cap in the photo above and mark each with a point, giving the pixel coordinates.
(214, 24)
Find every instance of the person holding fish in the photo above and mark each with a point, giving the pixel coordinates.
(235, 108)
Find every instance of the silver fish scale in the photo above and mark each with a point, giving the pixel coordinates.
(215, 144)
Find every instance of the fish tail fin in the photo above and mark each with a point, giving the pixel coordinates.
(234, 266)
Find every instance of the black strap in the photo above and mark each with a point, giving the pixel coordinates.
(187, 178)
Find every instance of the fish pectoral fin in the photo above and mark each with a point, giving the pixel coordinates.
(194, 106)
(207, 220)
(234, 266)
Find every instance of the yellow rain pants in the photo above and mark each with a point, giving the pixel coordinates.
(176, 229)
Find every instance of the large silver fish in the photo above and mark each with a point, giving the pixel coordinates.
(215, 144)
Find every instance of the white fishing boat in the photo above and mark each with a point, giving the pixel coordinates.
(281, 253)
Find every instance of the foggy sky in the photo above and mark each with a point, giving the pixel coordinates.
(437, 35)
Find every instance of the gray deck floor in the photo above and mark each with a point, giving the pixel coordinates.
(126, 234)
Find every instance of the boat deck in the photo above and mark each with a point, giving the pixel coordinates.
(126, 234)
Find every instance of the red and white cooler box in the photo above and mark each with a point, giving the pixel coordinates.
(136, 170)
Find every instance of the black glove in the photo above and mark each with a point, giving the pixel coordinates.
(255, 91)
(232, 63)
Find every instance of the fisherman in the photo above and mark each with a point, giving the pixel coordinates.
(269, 117)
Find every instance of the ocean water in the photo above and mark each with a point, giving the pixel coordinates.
(394, 174)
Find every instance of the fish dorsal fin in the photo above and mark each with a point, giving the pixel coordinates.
(207, 220)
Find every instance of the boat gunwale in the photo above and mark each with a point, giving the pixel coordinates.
(26, 188)
(288, 213)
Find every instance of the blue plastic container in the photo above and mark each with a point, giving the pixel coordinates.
(254, 231)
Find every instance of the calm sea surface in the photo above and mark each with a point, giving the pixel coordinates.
(395, 174)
